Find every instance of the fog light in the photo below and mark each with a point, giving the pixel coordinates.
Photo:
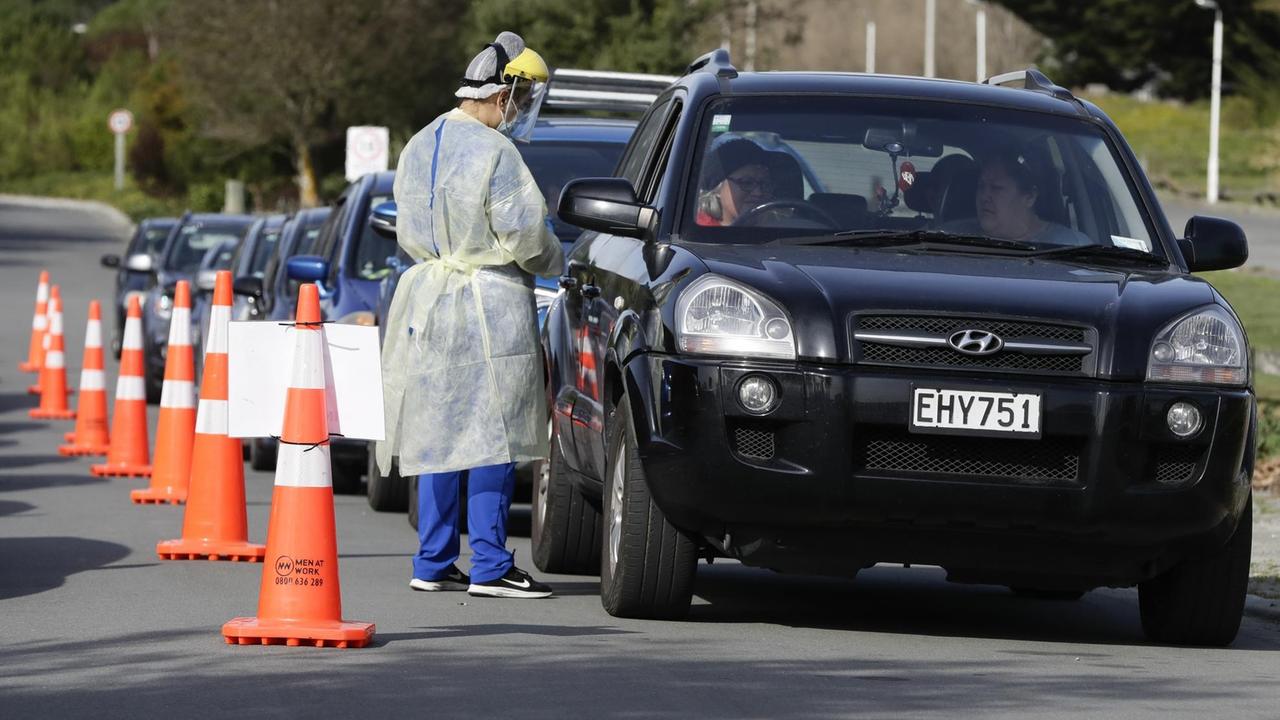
(1184, 419)
(758, 394)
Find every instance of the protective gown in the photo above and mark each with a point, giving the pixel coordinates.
(461, 363)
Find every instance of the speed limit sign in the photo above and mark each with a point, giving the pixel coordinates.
(120, 121)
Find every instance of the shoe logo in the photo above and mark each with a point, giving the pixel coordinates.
(523, 584)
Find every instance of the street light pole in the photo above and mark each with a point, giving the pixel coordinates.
(981, 22)
(1215, 100)
(871, 47)
(930, 17)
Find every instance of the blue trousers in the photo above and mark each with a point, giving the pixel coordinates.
(489, 491)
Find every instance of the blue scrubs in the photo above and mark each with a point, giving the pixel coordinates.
(489, 491)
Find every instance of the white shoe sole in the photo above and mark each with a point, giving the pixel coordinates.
(506, 592)
(436, 585)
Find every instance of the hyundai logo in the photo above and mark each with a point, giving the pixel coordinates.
(975, 342)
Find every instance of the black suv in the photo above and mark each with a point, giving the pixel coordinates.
(824, 320)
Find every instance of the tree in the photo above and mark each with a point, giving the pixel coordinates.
(1165, 44)
(273, 73)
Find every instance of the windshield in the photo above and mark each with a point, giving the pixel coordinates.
(194, 241)
(369, 261)
(777, 167)
(554, 164)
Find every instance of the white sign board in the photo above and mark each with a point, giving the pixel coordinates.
(120, 121)
(368, 149)
(260, 364)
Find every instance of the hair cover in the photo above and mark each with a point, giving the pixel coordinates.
(484, 66)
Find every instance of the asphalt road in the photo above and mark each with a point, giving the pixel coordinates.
(1261, 226)
(93, 625)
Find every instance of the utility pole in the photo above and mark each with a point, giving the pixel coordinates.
(1215, 100)
(981, 22)
(753, 10)
(930, 22)
(871, 47)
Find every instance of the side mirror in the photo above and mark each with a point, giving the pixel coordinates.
(383, 220)
(111, 261)
(248, 285)
(139, 262)
(607, 205)
(307, 268)
(1213, 244)
(206, 280)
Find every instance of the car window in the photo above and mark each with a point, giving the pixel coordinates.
(149, 240)
(779, 166)
(193, 241)
(649, 184)
(642, 141)
(262, 252)
(554, 164)
(368, 258)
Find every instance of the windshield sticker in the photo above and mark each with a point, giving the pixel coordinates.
(1131, 243)
(720, 123)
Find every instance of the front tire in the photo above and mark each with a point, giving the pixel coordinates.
(1200, 601)
(647, 566)
(386, 494)
(566, 527)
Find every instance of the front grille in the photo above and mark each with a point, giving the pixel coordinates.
(1175, 464)
(754, 442)
(1045, 460)
(945, 357)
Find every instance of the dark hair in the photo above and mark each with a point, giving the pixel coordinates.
(726, 159)
(1022, 167)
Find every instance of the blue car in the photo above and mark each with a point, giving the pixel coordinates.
(561, 149)
(273, 296)
(347, 264)
(180, 259)
(251, 258)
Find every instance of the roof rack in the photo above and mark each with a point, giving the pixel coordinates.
(1034, 80)
(571, 89)
(717, 61)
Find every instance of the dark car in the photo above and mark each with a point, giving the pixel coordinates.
(134, 271)
(273, 297)
(251, 259)
(561, 149)
(347, 264)
(184, 249)
(1015, 378)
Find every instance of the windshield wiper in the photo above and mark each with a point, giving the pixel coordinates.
(1103, 253)
(901, 238)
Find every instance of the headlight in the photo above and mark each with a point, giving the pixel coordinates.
(164, 307)
(1206, 347)
(544, 297)
(360, 317)
(717, 316)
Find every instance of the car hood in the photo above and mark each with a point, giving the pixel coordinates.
(822, 287)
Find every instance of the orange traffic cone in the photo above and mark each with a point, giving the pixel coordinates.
(176, 431)
(300, 601)
(38, 387)
(90, 436)
(53, 376)
(35, 352)
(127, 456)
(215, 524)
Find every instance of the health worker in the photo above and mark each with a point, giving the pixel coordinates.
(461, 363)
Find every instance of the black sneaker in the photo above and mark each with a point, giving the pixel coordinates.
(515, 584)
(455, 579)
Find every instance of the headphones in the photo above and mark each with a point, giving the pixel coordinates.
(709, 202)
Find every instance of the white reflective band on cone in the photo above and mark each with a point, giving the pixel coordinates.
(296, 466)
(56, 323)
(42, 292)
(178, 394)
(132, 334)
(130, 387)
(39, 322)
(211, 417)
(93, 334)
(93, 380)
(219, 319)
(180, 327)
(308, 364)
(53, 360)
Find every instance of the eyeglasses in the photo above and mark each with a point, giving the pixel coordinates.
(753, 185)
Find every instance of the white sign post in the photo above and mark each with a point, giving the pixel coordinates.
(120, 122)
(368, 148)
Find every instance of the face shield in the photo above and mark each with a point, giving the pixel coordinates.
(520, 114)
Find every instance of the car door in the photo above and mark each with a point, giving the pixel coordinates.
(607, 284)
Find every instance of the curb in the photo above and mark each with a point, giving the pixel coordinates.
(69, 204)
(1263, 608)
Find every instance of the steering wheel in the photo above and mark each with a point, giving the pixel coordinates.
(799, 207)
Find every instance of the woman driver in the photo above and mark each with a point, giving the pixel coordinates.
(737, 178)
